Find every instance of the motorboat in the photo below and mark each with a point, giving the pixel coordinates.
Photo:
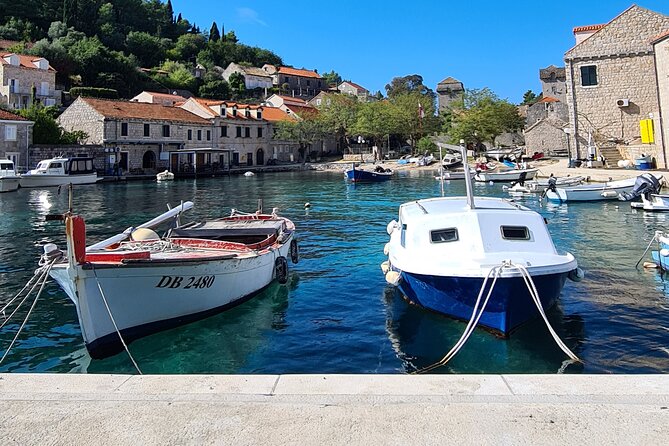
(538, 186)
(454, 174)
(451, 160)
(376, 175)
(165, 175)
(500, 153)
(647, 187)
(138, 282)
(60, 171)
(445, 253)
(591, 192)
(653, 203)
(9, 179)
(661, 254)
(506, 175)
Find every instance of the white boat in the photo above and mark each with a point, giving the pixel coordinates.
(591, 192)
(165, 175)
(60, 171)
(654, 203)
(137, 283)
(505, 152)
(451, 160)
(443, 251)
(538, 186)
(455, 174)
(647, 186)
(9, 179)
(506, 175)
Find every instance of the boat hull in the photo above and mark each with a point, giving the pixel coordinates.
(9, 184)
(147, 297)
(588, 193)
(56, 180)
(508, 176)
(509, 307)
(364, 176)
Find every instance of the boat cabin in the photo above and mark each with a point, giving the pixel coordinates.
(65, 166)
(7, 168)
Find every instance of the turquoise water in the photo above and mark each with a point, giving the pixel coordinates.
(336, 314)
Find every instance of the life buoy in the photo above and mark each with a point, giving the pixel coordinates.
(281, 270)
(294, 252)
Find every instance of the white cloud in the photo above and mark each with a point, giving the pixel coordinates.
(250, 15)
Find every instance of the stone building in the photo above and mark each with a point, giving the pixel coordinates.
(22, 77)
(553, 83)
(612, 85)
(661, 49)
(16, 136)
(296, 82)
(353, 89)
(152, 97)
(448, 91)
(253, 77)
(137, 136)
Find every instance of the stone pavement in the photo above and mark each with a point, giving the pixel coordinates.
(560, 169)
(334, 409)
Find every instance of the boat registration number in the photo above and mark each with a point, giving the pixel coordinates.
(186, 282)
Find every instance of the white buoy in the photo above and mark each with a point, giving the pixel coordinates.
(492, 183)
(385, 267)
(664, 252)
(248, 174)
(393, 278)
(650, 265)
(307, 205)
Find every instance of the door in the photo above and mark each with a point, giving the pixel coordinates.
(13, 157)
(235, 158)
(260, 156)
(123, 164)
(249, 159)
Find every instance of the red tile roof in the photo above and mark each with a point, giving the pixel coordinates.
(175, 97)
(9, 116)
(302, 110)
(24, 61)
(297, 72)
(142, 110)
(292, 100)
(548, 99)
(659, 37)
(274, 114)
(580, 29)
(354, 85)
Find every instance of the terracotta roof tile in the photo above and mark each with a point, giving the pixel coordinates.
(548, 99)
(659, 37)
(274, 114)
(142, 110)
(25, 61)
(175, 97)
(292, 100)
(297, 72)
(354, 85)
(580, 29)
(9, 116)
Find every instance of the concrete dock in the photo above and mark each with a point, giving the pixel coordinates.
(334, 409)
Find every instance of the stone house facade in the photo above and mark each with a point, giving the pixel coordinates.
(353, 89)
(152, 97)
(547, 136)
(16, 136)
(137, 137)
(612, 83)
(553, 83)
(22, 76)
(296, 82)
(661, 49)
(449, 90)
(253, 77)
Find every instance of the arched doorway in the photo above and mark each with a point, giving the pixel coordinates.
(260, 157)
(149, 160)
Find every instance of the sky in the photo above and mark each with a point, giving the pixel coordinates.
(482, 43)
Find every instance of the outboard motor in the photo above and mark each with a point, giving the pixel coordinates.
(521, 179)
(645, 184)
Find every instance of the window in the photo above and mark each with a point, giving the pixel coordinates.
(190, 135)
(224, 131)
(444, 235)
(44, 88)
(259, 132)
(247, 132)
(239, 132)
(147, 129)
(259, 114)
(515, 233)
(10, 133)
(199, 135)
(589, 75)
(208, 135)
(308, 82)
(13, 85)
(124, 129)
(166, 131)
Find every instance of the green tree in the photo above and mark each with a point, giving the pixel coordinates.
(375, 120)
(178, 76)
(338, 115)
(529, 98)
(215, 89)
(332, 78)
(237, 82)
(414, 115)
(408, 84)
(214, 33)
(305, 132)
(148, 49)
(46, 130)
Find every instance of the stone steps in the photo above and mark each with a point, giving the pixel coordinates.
(612, 155)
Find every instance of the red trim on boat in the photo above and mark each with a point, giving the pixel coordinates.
(117, 257)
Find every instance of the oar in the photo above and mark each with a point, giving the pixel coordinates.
(149, 224)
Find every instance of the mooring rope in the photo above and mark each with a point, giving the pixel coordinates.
(40, 274)
(655, 237)
(478, 312)
(118, 332)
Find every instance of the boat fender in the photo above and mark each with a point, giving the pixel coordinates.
(52, 252)
(609, 194)
(281, 270)
(143, 234)
(294, 252)
(391, 227)
(393, 277)
(664, 252)
(386, 249)
(385, 267)
(650, 265)
(576, 275)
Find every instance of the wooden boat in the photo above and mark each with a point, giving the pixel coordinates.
(507, 152)
(451, 160)
(368, 176)
(60, 171)
(455, 174)
(9, 179)
(538, 186)
(442, 251)
(137, 282)
(506, 175)
(591, 192)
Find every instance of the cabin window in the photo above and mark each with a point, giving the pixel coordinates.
(124, 129)
(589, 75)
(515, 233)
(55, 166)
(444, 235)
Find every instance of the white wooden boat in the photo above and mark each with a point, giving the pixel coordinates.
(591, 192)
(538, 186)
(451, 160)
(165, 175)
(654, 203)
(508, 152)
(506, 175)
(455, 174)
(137, 283)
(60, 171)
(9, 179)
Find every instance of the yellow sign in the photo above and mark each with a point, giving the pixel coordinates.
(647, 131)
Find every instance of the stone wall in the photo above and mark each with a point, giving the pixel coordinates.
(80, 116)
(548, 137)
(543, 110)
(27, 77)
(662, 62)
(24, 138)
(42, 152)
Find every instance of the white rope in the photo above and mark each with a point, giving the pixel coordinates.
(40, 274)
(655, 237)
(477, 313)
(125, 346)
(32, 307)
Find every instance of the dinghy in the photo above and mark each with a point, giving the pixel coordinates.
(368, 176)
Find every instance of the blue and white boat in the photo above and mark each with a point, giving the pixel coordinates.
(447, 253)
(368, 176)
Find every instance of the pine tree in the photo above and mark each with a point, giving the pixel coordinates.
(214, 34)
